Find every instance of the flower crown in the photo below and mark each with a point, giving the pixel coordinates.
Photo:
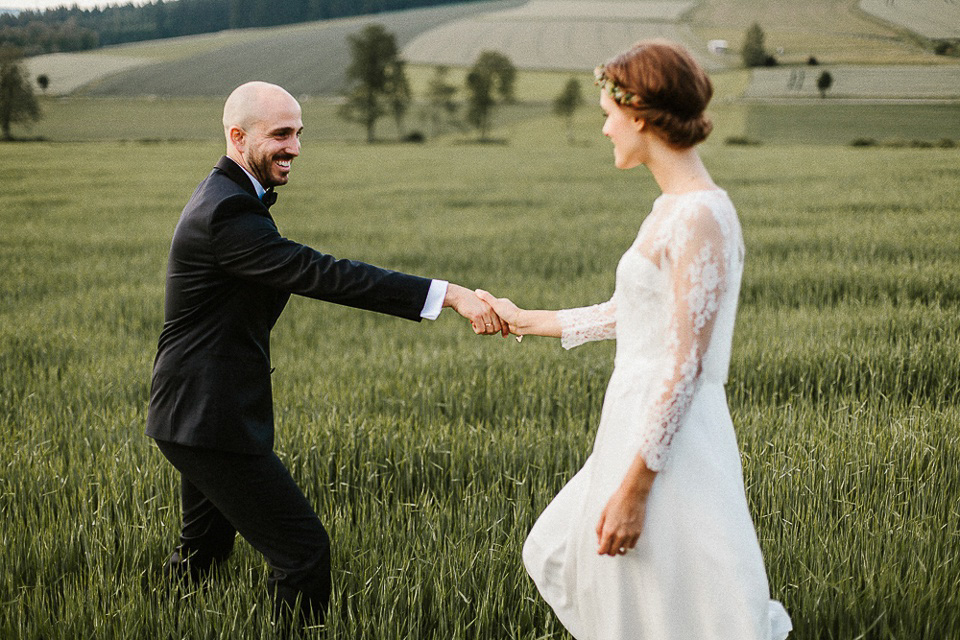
(620, 95)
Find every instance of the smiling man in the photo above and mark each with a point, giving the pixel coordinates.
(229, 276)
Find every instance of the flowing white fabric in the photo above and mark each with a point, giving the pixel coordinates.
(697, 572)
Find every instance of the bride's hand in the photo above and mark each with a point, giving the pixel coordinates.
(508, 312)
(621, 522)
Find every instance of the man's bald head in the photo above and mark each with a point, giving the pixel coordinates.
(262, 124)
(253, 102)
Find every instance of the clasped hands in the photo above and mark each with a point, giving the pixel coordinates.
(621, 522)
(487, 315)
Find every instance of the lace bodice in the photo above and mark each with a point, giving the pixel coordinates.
(672, 312)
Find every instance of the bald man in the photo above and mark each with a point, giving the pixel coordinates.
(229, 276)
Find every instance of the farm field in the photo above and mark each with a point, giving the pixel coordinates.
(831, 123)
(70, 71)
(431, 451)
(558, 34)
(171, 119)
(309, 59)
(808, 121)
(903, 82)
(306, 58)
(929, 18)
(834, 31)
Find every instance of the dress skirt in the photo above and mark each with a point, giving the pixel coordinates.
(697, 572)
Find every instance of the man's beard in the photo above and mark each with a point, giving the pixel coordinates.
(261, 167)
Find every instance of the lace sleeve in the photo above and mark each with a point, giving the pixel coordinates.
(586, 324)
(696, 255)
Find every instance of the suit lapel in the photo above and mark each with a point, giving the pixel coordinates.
(235, 173)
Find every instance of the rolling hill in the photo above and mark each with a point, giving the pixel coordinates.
(559, 34)
(307, 59)
(929, 18)
(553, 35)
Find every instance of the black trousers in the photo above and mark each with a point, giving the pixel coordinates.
(226, 493)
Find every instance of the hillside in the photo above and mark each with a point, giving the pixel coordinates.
(834, 31)
(929, 18)
(554, 35)
(306, 59)
(560, 34)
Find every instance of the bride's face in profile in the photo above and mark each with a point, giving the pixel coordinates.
(625, 131)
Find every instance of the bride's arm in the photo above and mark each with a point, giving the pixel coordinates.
(697, 255)
(536, 322)
(698, 263)
(573, 326)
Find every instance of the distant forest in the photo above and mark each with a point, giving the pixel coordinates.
(74, 29)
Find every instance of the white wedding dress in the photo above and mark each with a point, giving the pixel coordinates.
(697, 572)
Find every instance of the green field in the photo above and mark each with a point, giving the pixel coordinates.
(813, 121)
(430, 451)
(832, 123)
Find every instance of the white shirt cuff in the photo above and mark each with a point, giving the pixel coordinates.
(434, 304)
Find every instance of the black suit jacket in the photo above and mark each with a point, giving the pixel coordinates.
(229, 276)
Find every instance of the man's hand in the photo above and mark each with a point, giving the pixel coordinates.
(509, 313)
(481, 315)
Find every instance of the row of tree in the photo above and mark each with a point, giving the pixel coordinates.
(75, 29)
(379, 85)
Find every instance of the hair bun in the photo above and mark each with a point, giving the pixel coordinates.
(671, 86)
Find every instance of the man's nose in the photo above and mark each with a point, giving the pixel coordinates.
(293, 147)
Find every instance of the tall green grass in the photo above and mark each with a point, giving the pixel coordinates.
(429, 451)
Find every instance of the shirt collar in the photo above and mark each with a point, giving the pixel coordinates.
(256, 183)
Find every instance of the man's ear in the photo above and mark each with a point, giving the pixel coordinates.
(238, 138)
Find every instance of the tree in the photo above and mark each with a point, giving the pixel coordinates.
(43, 80)
(491, 73)
(566, 104)
(824, 82)
(440, 98)
(378, 78)
(398, 92)
(752, 51)
(17, 102)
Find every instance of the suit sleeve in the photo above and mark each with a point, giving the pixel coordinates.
(247, 245)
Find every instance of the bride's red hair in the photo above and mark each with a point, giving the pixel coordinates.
(671, 90)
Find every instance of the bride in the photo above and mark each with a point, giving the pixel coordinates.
(652, 538)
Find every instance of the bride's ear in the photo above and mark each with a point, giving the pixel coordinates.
(640, 123)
